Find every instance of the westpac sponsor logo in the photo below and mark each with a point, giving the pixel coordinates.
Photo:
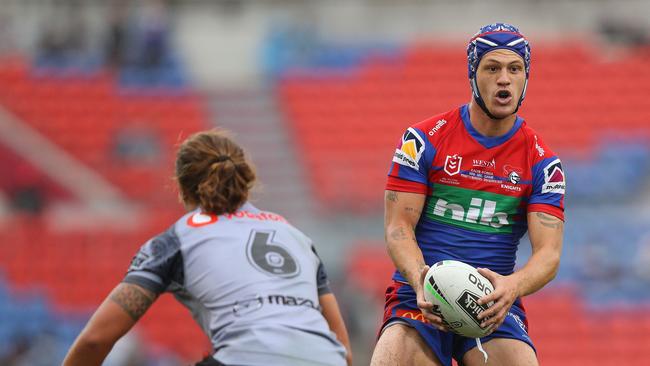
(437, 127)
(452, 164)
(554, 181)
(491, 164)
(411, 149)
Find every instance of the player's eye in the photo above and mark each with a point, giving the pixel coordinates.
(515, 68)
(492, 68)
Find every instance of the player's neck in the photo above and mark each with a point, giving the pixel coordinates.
(487, 126)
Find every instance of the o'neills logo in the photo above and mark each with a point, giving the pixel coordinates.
(437, 127)
(484, 163)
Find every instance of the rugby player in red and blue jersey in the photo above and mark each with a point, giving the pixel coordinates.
(467, 185)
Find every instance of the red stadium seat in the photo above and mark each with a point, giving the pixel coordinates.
(370, 109)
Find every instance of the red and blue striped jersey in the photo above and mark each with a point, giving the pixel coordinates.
(479, 189)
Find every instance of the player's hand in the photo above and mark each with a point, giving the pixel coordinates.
(429, 311)
(504, 295)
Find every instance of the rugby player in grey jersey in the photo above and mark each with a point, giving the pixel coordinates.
(252, 282)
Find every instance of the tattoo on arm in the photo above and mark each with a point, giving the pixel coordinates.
(398, 234)
(549, 221)
(133, 300)
(413, 210)
(391, 196)
(401, 234)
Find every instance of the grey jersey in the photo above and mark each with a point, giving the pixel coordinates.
(252, 282)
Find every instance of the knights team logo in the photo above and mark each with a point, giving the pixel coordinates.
(513, 173)
(452, 164)
(411, 149)
(513, 177)
(554, 181)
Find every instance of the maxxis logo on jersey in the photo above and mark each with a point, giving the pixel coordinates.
(411, 149)
(554, 181)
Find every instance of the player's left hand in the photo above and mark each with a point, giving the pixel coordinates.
(504, 295)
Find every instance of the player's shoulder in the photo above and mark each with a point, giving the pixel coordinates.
(535, 143)
(434, 127)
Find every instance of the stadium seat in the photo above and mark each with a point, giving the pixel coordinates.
(343, 110)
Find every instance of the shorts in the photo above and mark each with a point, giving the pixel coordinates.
(401, 307)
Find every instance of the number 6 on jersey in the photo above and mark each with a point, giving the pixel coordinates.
(270, 257)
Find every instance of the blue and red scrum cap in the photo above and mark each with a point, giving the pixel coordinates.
(496, 36)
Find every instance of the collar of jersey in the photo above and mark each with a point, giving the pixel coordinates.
(487, 141)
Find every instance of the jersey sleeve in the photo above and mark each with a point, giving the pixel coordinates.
(157, 264)
(549, 183)
(322, 281)
(409, 169)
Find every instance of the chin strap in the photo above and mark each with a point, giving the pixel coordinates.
(481, 103)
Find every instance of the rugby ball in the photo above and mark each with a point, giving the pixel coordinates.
(455, 288)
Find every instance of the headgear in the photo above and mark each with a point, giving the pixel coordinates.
(489, 38)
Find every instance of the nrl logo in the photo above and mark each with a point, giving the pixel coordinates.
(452, 164)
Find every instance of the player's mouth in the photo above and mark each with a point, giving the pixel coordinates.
(503, 97)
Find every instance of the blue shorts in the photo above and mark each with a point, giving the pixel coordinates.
(401, 307)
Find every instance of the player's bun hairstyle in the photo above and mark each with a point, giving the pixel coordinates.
(212, 172)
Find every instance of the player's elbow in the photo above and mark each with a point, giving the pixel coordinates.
(95, 342)
(553, 265)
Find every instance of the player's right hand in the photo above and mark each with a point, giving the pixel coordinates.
(429, 311)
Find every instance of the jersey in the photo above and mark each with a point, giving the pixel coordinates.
(251, 281)
(478, 189)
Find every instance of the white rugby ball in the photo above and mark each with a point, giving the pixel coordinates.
(455, 288)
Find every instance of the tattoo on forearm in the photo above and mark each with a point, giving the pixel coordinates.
(391, 196)
(413, 210)
(401, 233)
(132, 299)
(549, 221)
(398, 234)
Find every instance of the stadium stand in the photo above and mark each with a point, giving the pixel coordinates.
(93, 119)
(347, 122)
(71, 272)
(345, 112)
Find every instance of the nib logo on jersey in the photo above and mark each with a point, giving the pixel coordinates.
(411, 150)
(554, 178)
(474, 210)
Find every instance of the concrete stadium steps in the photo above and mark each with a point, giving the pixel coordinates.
(252, 115)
